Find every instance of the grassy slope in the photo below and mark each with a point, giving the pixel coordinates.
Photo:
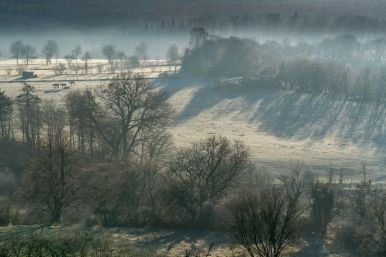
(280, 127)
(285, 127)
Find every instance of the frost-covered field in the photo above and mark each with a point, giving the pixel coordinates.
(97, 69)
(282, 128)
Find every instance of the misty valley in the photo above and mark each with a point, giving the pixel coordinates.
(192, 128)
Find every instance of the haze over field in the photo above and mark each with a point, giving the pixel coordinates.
(192, 128)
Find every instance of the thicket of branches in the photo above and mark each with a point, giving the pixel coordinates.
(104, 157)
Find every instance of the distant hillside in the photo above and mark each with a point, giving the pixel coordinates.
(181, 14)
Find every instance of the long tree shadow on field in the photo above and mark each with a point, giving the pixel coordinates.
(292, 115)
(205, 97)
(169, 240)
(302, 116)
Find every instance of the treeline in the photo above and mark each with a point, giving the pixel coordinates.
(79, 60)
(21, 51)
(24, 51)
(214, 51)
(339, 66)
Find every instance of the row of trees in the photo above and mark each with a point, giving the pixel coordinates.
(19, 50)
(269, 66)
(22, 51)
(342, 49)
(331, 78)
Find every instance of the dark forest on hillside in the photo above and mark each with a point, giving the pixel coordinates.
(181, 14)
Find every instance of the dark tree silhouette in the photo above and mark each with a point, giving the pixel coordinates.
(50, 50)
(17, 50)
(265, 222)
(29, 115)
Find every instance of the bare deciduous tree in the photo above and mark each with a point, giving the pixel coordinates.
(132, 105)
(80, 106)
(51, 184)
(17, 50)
(122, 57)
(322, 207)
(206, 170)
(378, 208)
(29, 115)
(86, 58)
(264, 223)
(54, 120)
(50, 50)
(361, 200)
(76, 52)
(109, 52)
(29, 53)
(141, 53)
(69, 58)
(173, 55)
(6, 108)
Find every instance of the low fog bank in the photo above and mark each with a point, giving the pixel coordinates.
(158, 42)
(93, 40)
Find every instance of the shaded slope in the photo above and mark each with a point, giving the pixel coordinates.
(284, 126)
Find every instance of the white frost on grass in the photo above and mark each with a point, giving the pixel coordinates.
(288, 127)
(280, 127)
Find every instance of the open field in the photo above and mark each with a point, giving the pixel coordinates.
(98, 70)
(283, 127)
(280, 127)
(205, 128)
